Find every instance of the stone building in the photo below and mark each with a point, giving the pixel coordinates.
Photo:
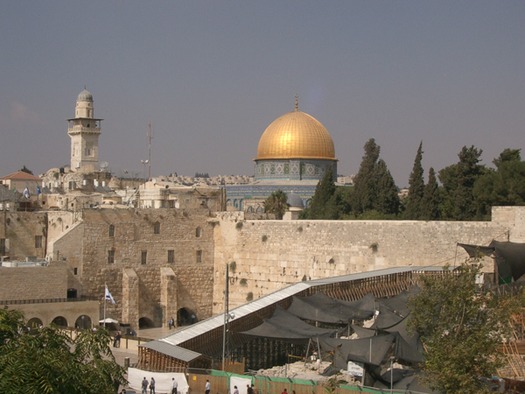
(84, 130)
(162, 250)
(22, 182)
(293, 154)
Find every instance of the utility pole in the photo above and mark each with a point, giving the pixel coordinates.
(150, 137)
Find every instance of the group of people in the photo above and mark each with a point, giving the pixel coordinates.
(146, 384)
(250, 389)
(151, 385)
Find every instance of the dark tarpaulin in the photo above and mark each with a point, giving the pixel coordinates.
(371, 350)
(509, 256)
(399, 303)
(411, 338)
(285, 326)
(406, 352)
(386, 318)
(363, 332)
(319, 307)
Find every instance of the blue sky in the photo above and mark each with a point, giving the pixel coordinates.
(211, 75)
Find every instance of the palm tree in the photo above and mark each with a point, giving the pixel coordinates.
(276, 204)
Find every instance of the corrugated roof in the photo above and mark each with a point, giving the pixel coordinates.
(177, 352)
(214, 322)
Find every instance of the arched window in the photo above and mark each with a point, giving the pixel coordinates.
(156, 228)
(111, 230)
(198, 232)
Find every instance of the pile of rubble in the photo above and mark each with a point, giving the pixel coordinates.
(305, 370)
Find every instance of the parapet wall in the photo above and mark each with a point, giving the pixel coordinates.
(34, 283)
(270, 255)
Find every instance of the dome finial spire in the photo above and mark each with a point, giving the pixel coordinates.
(296, 103)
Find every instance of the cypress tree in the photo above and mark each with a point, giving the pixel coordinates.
(431, 201)
(387, 201)
(323, 199)
(416, 188)
(366, 182)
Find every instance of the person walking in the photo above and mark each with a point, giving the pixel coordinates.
(174, 386)
(145, 385)
(116, 342)
(207, 387)
(152, 386)
(235, 390)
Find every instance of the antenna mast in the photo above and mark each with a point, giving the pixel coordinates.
(150, 137)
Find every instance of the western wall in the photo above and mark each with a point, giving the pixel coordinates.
(262, 255)
(265, 256)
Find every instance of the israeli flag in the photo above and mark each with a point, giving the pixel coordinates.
(108, 296)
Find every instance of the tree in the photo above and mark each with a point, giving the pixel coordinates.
(458, 181)
(431, 198)
(46, 360)
(323, 205)
(26, 170)
(276, 204)
(459, 324)
(365, 182)
(416, 188)
(503, 186)
(387, 200)
(374, 192)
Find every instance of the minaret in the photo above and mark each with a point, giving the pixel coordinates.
(84, 130)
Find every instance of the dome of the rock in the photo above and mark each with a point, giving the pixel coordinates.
(296, 135)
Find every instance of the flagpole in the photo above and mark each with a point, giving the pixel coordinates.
(105, 287)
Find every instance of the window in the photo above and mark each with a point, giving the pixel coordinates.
(144, 257)
(199, 256)
(38, 242)
(111, 256)
(2, 247)
(111, 230)
(75, 271)
(156, 228)
(198, 232)
(171, 256)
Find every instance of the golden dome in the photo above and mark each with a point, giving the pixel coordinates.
(296, 135)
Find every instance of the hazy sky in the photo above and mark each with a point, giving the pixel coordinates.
(210, 76)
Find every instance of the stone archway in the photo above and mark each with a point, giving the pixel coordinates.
(60, 321)
(83, 322)
(145, 322)
(185, 317)
(34, 323)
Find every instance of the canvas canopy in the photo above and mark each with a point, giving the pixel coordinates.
(322, 308)
(284, 325)
(509, 257)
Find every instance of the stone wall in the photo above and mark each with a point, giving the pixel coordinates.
(267, 254)
(141, 240)
(270, 255)
(20, 229)
(33, 283)
(512, 218)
